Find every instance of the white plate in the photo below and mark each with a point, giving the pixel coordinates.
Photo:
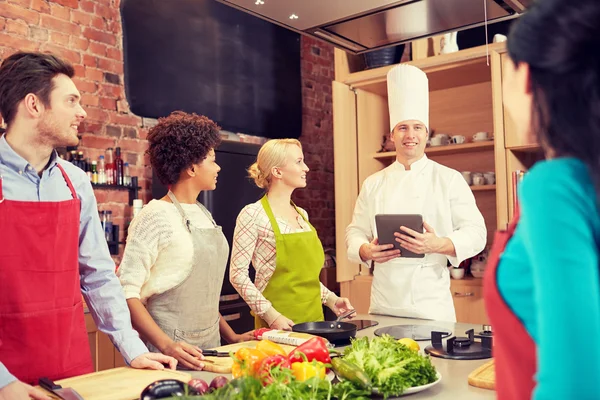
(414, 389)
(330, 376)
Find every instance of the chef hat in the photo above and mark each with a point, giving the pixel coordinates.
(408, 95)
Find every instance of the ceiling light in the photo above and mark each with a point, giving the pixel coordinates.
(259, 2)
(293, 16)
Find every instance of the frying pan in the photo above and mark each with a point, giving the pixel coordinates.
(330, 330)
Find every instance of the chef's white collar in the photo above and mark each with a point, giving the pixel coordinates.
(416, 166)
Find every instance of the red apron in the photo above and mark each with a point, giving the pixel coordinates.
(514, 349)
(42, 326)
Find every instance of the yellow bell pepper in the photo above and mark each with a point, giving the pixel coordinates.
(236, 369)
(270, 348)
(305, 370)
(250, 360)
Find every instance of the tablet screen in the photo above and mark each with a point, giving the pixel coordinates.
(387, 224)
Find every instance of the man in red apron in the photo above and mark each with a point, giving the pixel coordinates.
(52, 247)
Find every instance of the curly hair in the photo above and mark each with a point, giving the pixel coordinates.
(178, 141)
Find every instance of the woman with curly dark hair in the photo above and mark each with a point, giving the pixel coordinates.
(175, 258)
(544, 286)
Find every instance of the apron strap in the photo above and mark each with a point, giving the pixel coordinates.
(69, 183)
(265, 203)
(186, 220)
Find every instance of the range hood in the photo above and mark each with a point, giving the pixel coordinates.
(359, 26)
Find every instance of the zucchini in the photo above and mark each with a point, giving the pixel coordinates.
(351, 372)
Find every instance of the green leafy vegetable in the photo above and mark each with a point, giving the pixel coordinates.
(391, 366)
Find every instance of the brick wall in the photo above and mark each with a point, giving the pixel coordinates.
(88, 33)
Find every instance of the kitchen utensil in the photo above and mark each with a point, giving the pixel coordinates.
(63, 393)
(215, 353)
(467, 176)
(458, 139)
(478, 179)
(490, 177)
(123, 383)
(441, 139)
(457, 273)
(345, 315)
(480, 136)
(330, 330)
(415, 332)
(484, 377)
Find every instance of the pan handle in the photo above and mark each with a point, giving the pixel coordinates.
(345, 315)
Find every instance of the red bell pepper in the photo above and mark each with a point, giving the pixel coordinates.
(264, 371)
(313, 349)
(259, 332)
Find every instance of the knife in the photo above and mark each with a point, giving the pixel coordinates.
(215, 353)
(63, 393)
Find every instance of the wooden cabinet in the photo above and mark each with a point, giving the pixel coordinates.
(104, 353)
(513, 151)
(465, 98)
(467, 295)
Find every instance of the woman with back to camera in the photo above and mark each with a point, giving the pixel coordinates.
(543, 293)
(284, 248)
(176, 255)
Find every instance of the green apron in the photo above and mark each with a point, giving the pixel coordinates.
(295, 288)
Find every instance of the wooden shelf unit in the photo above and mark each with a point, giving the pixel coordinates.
(465, 98)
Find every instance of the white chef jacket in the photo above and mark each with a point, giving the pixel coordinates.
(417, 287)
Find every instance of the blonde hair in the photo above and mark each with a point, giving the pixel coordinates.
(271, 154)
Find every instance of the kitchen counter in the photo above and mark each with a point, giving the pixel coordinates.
(454, 373)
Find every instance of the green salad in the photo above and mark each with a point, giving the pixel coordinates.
(391, 366)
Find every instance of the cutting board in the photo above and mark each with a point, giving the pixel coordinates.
(222, 365)
(123, 383)
(484, 377)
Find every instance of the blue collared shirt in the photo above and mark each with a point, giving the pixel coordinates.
(99, 284)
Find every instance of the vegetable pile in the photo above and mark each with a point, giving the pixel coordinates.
(381, 365)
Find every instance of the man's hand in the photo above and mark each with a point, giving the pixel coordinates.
(378, 253)
(153, 361)
(21, 391)
(282, 323)
(423, 243)
(341, 306)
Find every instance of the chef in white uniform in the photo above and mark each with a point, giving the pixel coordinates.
(454, 229)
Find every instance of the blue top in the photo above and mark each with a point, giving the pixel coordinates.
(99, 284)
(549, 277)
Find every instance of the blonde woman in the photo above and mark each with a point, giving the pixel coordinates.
(284, 248)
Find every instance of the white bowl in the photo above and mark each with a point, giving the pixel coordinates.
(457, 273)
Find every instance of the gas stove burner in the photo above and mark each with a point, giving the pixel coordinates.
(460, 348)
(487, 331)
(462, 342)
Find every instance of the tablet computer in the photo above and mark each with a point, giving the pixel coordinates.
(387, 224)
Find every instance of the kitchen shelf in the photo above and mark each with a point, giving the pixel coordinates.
(527, 148)
(483, 188)
(133, 190)
(446, 150)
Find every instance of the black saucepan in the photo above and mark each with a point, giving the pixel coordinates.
(330, 330)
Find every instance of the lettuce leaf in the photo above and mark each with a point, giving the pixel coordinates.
(392, 366)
